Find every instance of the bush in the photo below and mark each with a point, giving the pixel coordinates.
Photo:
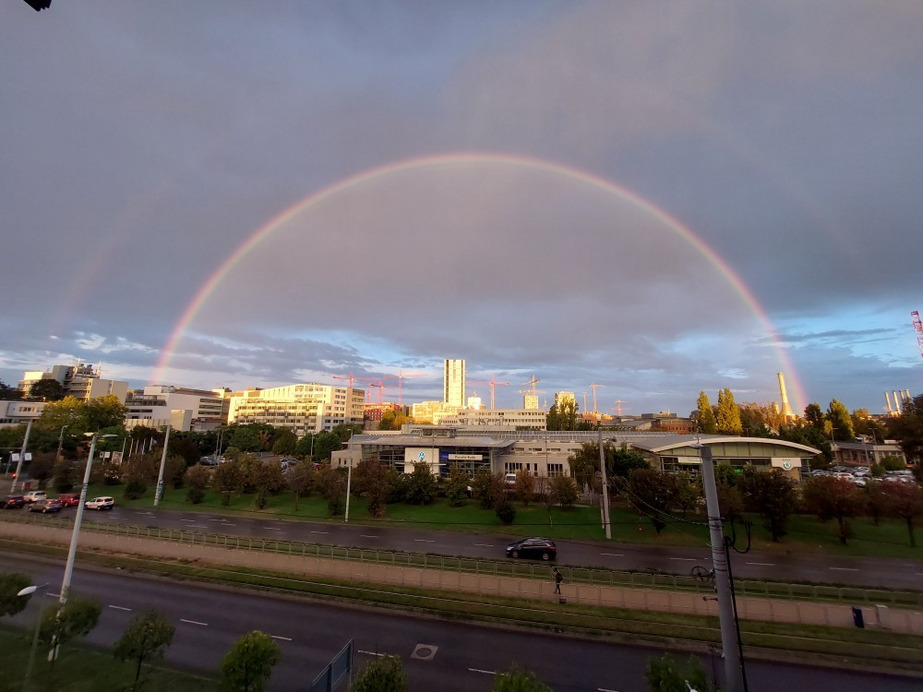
(506, 512)
(195, 495)
(135, 489)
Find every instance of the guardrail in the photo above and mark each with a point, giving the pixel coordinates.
(582, 575)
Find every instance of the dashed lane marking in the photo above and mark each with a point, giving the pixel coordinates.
(367, 535)
(370, 653)
(486, 672)
(115, 607)
(194, 622)
(762, 564)
(281, 638)
(684, 559)
(845, 569)
(613, 554)
(424, 540)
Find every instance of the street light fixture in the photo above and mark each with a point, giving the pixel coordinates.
(28, 591)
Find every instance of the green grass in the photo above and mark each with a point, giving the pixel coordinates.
(81, 668)
(805, 533)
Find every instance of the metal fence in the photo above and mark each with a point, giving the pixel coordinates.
(506, 568)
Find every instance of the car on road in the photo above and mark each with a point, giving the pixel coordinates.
(34, 496)
(69, 499)
(100, 503)
(535, 548)
(46, 506)
(12, 502)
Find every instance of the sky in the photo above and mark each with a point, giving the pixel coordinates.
(657, 198)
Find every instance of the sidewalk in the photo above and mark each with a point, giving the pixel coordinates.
(749, 608)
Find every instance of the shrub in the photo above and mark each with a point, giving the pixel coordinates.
(195, 495)
(506, 512)
(135, 489)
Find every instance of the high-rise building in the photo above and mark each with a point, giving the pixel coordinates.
(454, 383)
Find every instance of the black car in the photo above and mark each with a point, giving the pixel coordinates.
(12, 502)
(535, 548)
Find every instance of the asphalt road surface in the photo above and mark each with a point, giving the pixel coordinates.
(776, 565)
(437, 655)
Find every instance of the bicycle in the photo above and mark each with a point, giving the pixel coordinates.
(703, 574)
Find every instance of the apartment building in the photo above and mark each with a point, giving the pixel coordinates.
(80, 381)
(301, 408)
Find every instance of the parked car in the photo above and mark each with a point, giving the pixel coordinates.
(46, 506)
(34, 496)
(535, 548)
(69, 499)
(12, 502)
(100, 503)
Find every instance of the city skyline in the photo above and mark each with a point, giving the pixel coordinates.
(655, 199)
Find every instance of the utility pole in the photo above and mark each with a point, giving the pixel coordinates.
(22, 457)
(163, 462)
(733, 670)
(607, 525)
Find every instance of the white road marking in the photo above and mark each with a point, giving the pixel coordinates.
(845, 569)
(318, 532)
(227, 523)
(613, 554)
(366, 535)
(194, 622)
(371, 653)
(284, 639)
(762, 564)
(115, 607)
(484, 545)
(424, 540)
(272, 528)
(188, 519)
(684, 559)
(486, 672)
(605, 689)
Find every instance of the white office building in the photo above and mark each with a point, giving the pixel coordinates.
(302, 408)
(453, 383)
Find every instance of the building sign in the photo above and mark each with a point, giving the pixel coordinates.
(466, 457)
(420, 455)
(786, 463)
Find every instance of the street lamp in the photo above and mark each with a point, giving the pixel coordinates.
(78, 519)
(28, 591)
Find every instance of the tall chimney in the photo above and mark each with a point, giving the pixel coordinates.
(786, 407)
(888, 402)
(898, 401)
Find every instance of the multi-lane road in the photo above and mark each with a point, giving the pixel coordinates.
(776, 565)
(437, 655)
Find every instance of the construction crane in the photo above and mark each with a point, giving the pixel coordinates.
(531, 384)
(530, 394)
(352, 378)
(618, 407)
(595, 387)
(918, 328)
(400, 377)
(493, 383)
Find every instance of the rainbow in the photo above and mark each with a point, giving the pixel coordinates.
(452, 160)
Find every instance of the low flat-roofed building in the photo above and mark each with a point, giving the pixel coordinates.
(866, 453)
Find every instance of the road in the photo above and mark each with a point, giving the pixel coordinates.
(779, 566)
(436, 654)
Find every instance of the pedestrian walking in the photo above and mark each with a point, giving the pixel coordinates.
(558, 578)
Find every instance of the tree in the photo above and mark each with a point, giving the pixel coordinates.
(840, 421)
(456, 486)
(525, 486)
(196, 479)
(420, 487)
(228, 480)
(870, 428)
(519, 680)
(814, 416)
(286, 442)
(563, 415)
(564, 491)
(332, 486)
(727, 417)
(47, 390)
(11, 583)
(41, 468)
(705, 416)
(830, 497)
(392, 420)
(300, 479)
(654, 494)
(8, 393)
(76, 618)
(666, 674)
(248, 666)
(487, 488)
(372, 480)
(384, 674)
(325, 443)
(147, 636)
(505, 511)
(905, 501)
(907, 429)
(771, 494)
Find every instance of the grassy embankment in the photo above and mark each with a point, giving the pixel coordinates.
(806, 533)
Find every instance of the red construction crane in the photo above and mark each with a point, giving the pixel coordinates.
(493, 383)
(400, 377)
(618, 407)
(352, 378)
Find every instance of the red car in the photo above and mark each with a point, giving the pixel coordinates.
(69, 499)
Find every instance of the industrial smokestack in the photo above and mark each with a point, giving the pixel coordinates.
(898, 402)
(786, 407)
(890, 408)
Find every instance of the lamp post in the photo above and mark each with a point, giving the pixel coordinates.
(22, 457)
(28, 591)
(75, 536)
(163, 462)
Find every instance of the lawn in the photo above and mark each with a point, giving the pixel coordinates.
(805, 533)
(81, 668)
